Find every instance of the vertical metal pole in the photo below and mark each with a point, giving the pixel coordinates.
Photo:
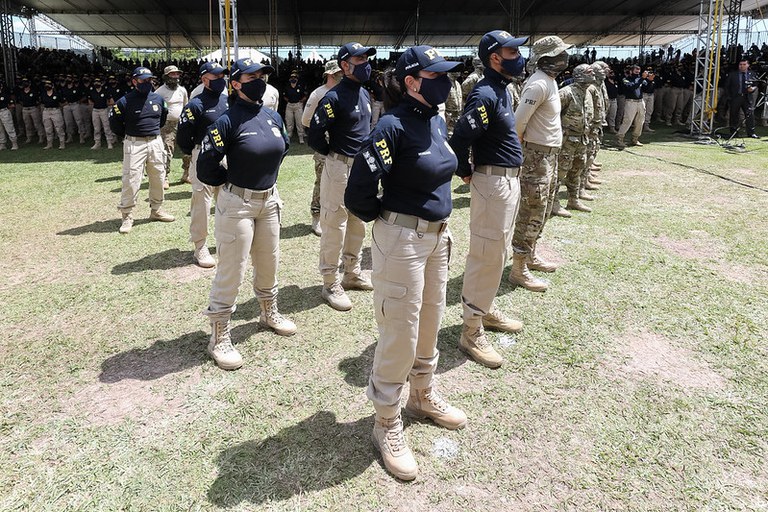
(222, 35)
(10, 66)
(418, 13)
(234, 30)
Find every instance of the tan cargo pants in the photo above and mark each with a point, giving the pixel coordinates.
(343, 232)
(100, 118)
(53, 121)
(410, 273)
(293, 112)
(33, 123)
(138, 153)
(245, 227)
(6, 120)
(494, 201)
(202, 198)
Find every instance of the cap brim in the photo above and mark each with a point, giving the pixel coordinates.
(365, 50)
(145, 75)
(215, 71)
(443, 67)
(255, 68)
(515, 42)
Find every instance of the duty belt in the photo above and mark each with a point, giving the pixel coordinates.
(246, 194)
(413, 222)
(495, 170)
(547, 150)
(136, 137)
(342, 158)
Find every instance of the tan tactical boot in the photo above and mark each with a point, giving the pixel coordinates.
(166, 184)
(202, 256)
(474, 343)
(599, 165)
(584, 195)
(575, 204)
(96, 146)
(220, 347)
(558, 211)
(496, 320)
(336, 297)
(353, 281)
(14, 145)
(127, 224)
(521, 276)
(62, 146)
(271, 317)
(48, 146)
(389, 439)
(590, 185)
(161, 215)
(316, 229)
(594, 180)
(185, 176)
(637, 143)
(110, 146)
(427, 403)
(536, 263)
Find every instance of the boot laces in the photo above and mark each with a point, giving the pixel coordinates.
(336, 289)
(272, 314)
(395, 437)
(480, 340)
(437, 401)
(223, 340)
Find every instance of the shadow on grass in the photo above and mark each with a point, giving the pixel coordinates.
(175, 196)
(168, 356)
(168, 259)
(296, 231)
(315, 454)
(462, 189)
(460, 202)
(102, 226)
(290, 299)
(108, 178)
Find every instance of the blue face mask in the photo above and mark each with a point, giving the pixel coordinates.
(362, 72)
(217, 85)
(144, 87)
(435, 90)
(514, 67)
(254, 89)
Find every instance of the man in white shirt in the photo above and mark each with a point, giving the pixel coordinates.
(175, 97)
(539, 129)
(332, 76)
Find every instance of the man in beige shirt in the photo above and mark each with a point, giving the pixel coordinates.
(538, 126)
(175, 97)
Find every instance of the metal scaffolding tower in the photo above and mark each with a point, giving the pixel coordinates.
(8, 44)
(228, 30)
(273, 33)
(707, 71)
(732, 29)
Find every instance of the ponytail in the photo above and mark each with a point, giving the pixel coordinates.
(394, 89)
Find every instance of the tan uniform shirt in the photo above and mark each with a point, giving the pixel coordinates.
(175, 98)
(311, 105)
(537, 117)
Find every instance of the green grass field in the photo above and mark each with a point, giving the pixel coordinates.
(639, 383)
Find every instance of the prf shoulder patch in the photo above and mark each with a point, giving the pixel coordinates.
(483, 114)
(384, 152)
(217, 140)
(188, 112)
(329, 110)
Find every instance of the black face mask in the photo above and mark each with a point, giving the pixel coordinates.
(254, 89)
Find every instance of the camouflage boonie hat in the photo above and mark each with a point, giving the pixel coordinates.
(549, 46)
(331, 67)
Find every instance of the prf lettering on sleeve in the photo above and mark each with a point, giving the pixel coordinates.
(483, 114)
(217, 138)
(329, 110)
(384, 152)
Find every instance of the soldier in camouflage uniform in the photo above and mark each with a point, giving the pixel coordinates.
(469, 83)
(577, 113)
(595, 134)
(514, 88)
(454, 105)
(538, 125)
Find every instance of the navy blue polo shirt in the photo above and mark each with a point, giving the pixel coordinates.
(72, 94)
(254, 140)
(197, 116)
(53, 101)
(633, 87)
(99, 97)
(408, 151)
(345, 114)
(294, 94)
(138, 115)
(5, 99)
(29, 98)
(487, 126)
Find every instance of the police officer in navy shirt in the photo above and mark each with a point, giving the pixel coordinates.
(100, 99)
(487, 125)
(344, 114)
(408, 153)
(196, 117)
(139, 115)
(254, 141)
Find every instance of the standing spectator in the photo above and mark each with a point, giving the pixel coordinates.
(100, 102)
(29, 99)
(175, 98)
(6, 118)
(51, 101)
(739, 86)
(294, 97)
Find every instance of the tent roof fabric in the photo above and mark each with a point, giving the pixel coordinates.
(447, 23)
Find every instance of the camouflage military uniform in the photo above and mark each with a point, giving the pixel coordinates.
(514, 88)
(454, 105)
(595, 132)
(577, 115)
(469, 83)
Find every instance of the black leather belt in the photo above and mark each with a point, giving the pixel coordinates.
(495, 170)
(413, 222)
(342, 158)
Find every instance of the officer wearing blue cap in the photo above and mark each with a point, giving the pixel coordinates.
(196, 117)
(408, 153)
(344, 114)
(138, 116)
(487, 126)
(254, 141)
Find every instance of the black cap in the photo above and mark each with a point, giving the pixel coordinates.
(354, 50)
(418, 58)
(247, 66)
(212, 67)
(142, 72)
(496, 39)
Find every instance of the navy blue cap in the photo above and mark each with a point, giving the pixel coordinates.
(247, 66)
(354, 50)
(496, 39)
(212, 67)
(141, 72)
(426, 58)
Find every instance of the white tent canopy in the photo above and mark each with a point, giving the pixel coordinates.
(242, 53)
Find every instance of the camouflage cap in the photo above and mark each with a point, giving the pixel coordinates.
(331, 67)
(548, 46)
(583, 73)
